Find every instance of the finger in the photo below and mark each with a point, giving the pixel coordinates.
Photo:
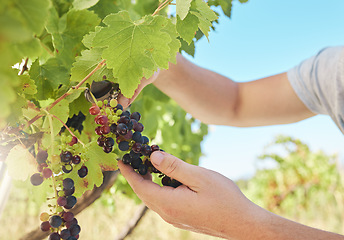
(177, 169)
(144, 188)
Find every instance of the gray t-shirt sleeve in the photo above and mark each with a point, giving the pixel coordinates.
(319, 83)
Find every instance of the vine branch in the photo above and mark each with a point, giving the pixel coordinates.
(38, 116)
(161, 6)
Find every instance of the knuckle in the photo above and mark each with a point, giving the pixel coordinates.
(172, 166)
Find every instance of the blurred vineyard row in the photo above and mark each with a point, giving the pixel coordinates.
(299, 184)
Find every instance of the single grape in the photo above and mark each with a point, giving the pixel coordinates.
(66, 156)
(123, 146)
(75, 230)
(113, 103)
(45, 226)
(55, 221)
(136, 163)
(82, 172)
(119, 107)
(94, 110)
(36, 179)
(138, 127)
(47, 173)
(124, 119)
(155, 148)
(67, 168)
(126, 158)
(98, 130)
(143, 169)
(54, 236)
(145, 140)
(74, 141)
(69, 224)
(65, 234)
(101, 119)
(136, 116)
(146, 150)
(165, 181)
(130, 124)
(69, 192)
(41, 156)
(44, 216)
(68, 183)
(105, 129)
(137, 137)
(134, 154)
(109, 142)
(71, 201)
(126, 113)
(107, 149)
(68, 216)
(100, 141)
(137, 147)
(113, 128)
(62, 201)
(122, 129)
(76, 159)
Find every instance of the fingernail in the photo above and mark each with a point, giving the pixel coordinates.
(157, 158)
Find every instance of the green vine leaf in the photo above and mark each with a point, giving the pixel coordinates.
(84, 4)
(182, 8)
(48, 77)
(20, 163)
(134, 48)
(200, 16)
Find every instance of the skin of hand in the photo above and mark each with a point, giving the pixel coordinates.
(212, 204)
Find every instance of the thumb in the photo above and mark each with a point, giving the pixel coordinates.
(175, 168)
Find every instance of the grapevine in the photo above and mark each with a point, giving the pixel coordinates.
(61, 126)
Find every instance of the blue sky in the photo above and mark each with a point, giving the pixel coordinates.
(263, 38)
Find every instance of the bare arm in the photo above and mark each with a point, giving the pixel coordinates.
(215, 99)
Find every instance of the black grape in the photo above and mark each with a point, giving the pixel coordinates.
(54, 236)
(127, 159)
(122, 129)
(65, 234)
(66, 156)
(123, 146)
(143, 169)
(68, 183)
(36, 179)
(82, 172)
(41, 156)
(137, 137)
(75, 230)
(71, 201)
(55, 221)
(69, 192)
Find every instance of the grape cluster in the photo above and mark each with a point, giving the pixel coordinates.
(60, 222)
(75, 122)
(124, 128)
(62, 225)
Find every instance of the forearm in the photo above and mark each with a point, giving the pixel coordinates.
(268, 226)
(216, 99)
(208, 96)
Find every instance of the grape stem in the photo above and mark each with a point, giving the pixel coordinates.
(70, 131)
(161, 6)
(69, 92)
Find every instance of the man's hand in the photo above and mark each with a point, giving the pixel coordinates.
(207, 202)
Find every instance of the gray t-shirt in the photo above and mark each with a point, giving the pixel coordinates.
(319, 83)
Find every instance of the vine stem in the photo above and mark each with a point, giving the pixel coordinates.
(68, 129)
(38, 116)
(161, 6)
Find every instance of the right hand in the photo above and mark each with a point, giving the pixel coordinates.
(125, 102)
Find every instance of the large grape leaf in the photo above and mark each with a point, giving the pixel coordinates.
(200, 16)
(48, 77)
(134, 47)
(35, 13)
(68, 31)
(84, 64)
(182, 8)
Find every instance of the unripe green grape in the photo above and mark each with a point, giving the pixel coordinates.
(113, 103)
(106, 102)
(61, 194)
(119, 112)
(108, 111)
(99, 103)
